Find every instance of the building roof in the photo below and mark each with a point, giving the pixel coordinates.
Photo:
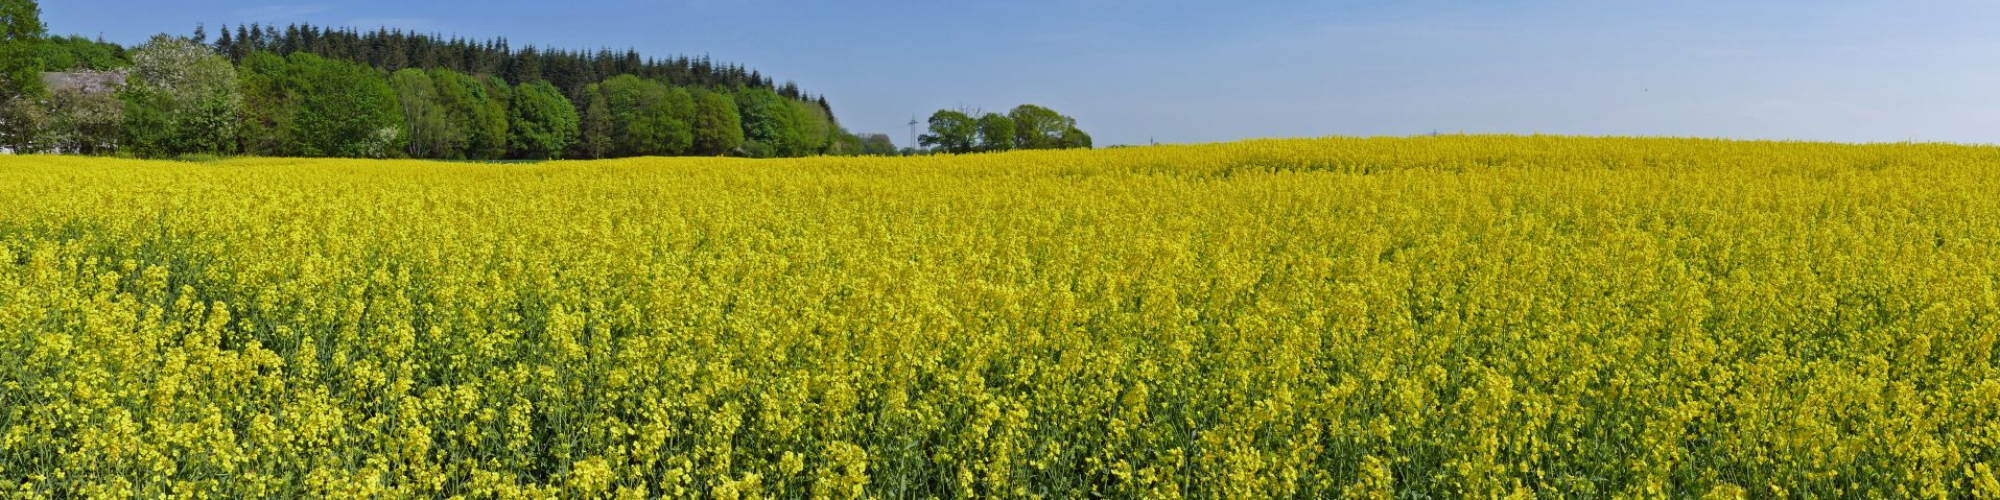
(86, 81)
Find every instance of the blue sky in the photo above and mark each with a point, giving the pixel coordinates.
(1135, 71)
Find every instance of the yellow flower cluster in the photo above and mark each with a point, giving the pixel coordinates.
(1444, 317)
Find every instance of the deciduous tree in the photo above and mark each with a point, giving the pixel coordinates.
(192, 89)
(951, 132)
(471, 110)
(1074, 138)
(346, 110)
(1036, 127)
(996, 132)
(75, 53)
(543, 121)
(718, 129)
(596, 129)
(432, 134)
(21, 38)
(769, 125)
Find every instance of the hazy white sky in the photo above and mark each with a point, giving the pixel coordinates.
(1177, 71)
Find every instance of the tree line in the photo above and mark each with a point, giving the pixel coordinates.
(391, 50)
(1025, 127)
(309, 91)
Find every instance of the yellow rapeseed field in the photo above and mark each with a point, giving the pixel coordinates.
(1450, 317)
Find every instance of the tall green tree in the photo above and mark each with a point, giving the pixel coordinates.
(543, 121)
(471, 111)
(662, 127)
(431, 132)
(996, 132)
(190, 87)
(336, 108)
(1075, 138)
(627, 96)
(568, 70)
(718, 129)
(21, 38)
(270, 105)
(1036, 127)
(816, 129)
(877, 145)
(75, 53)
(770, 126)
(494, 138)
(596, 134)
(845, 144)
(649, 118)
(951, 132)
(149, 124)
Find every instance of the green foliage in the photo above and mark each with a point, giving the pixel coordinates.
(1026, 127)
(208, 127)
(1075, 138)
(21, 39)
(150, 127)
(626, 97)
(543, 121)
(496, 127)
(996, 132)
(851, 144)
(390, 50)
(597, 139)
(430, 131)
(270, 105)
(489, 108)
(951, 132)
(877, 145)
(322, 107)
(770, 127)
(305, 105)
(1036, 127)
(815, 131)
(471, 110)
(845, 144)
(76, 53)
(193, 90)
(185, 70)
(718, 129)
(161, 127)
(649, 118)
(679, 107)
(262, 92)
(664, 127)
